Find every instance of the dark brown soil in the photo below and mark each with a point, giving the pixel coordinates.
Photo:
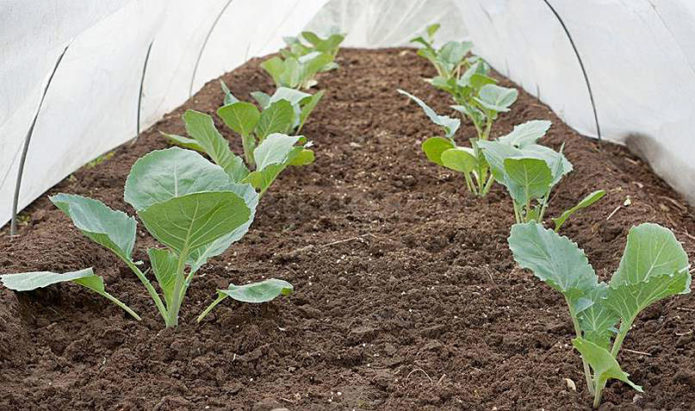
(406, 294)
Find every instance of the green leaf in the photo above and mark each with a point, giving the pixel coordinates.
(293, 96)
(433, 148)
(303, 157)
(602, 362)
(527, 178)
(272, 156)
(274, 66)
(202, 128)
(40, 279)
(527, 133)
(184, 142)
(496, 153)
(188, 222)
(242, 117)
(496, 98)
(228, 96)
(555, 260)
(277, 118)
(312, 63)
(461, 159)
(558, 163)
(274, 150)
(584, 203)
(432, 29)
(261, 98)
(449, 124)
(164, 264)
(260, 292)
(165, 174)
(478, 81)
(628, 300)
(308, 105)
(112, 229)
(201, 255)
(597, 321)
(651, 251)
(311, 37)
(453, 52)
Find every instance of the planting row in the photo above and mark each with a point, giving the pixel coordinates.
(197, 209)
(654, 265)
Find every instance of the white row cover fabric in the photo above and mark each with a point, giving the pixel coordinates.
(639, 56)
(389, 23)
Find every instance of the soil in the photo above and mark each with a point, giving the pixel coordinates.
(406, 295)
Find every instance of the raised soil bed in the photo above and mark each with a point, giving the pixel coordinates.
(406, 297)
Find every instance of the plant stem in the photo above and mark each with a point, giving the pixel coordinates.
(622, 332)
(517, 214)
(543, 208)
(122, 305)
(599, 391)
(578, 332)
(150, 289)
(220, 298)
(488, 185)
(173, 318)
(248, 144)
(469, 182)
(488, 127)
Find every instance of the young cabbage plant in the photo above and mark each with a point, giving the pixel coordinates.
(443, 151)
(308, 42)
(467, 80)
(530, 171)
(449, 59)
(39, 279)
(188, 204)
(267, 150)
(298, 64)
(654, 266)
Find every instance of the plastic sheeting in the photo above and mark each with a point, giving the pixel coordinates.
(639, 56)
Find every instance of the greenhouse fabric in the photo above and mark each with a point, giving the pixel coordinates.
(639, 58)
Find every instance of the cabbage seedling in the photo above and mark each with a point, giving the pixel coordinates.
(298, 73)
(467, 80)
(449, 59)
(267, 150)
(39, 279)
(191, 206)
(467, 160)
(308, 42)
(654, 266)
(530, 171)
(187, 203)
(303, 58)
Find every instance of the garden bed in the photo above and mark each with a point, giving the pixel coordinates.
(406, 294)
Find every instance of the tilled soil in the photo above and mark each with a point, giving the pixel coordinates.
(406, 295)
